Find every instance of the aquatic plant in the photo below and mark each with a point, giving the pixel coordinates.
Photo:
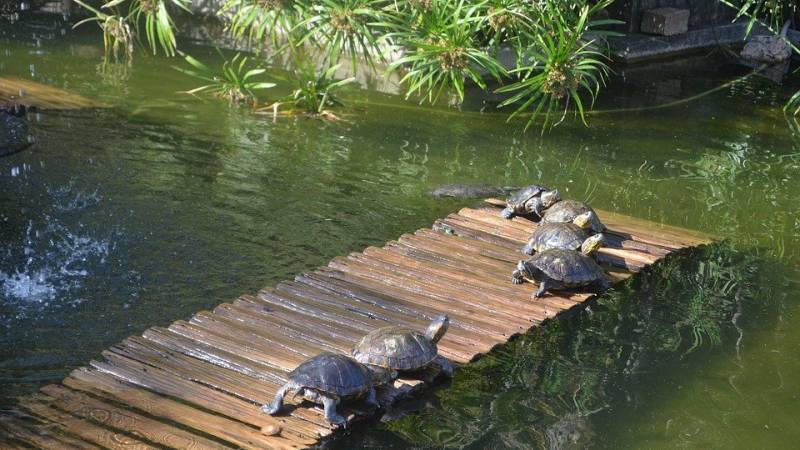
(314, 88)
(563, 65)
(234, 82)
(129, 19)
(443, 49)
(117, 34)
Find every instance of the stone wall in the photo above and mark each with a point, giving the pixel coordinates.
(702, 13)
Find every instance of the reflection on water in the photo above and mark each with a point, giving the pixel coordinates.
(559, 386)
(162, 205)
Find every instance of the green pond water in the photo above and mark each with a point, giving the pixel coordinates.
(143, 213)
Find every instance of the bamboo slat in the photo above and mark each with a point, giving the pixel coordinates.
(200, 383)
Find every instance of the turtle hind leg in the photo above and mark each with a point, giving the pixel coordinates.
(507, 213)
(330, 403)
(603, 284)
(276, 405)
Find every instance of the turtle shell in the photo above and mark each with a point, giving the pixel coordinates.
(395, 348)
(333, 374)
(523, 195)
(558, 235)
(569, 267)
(568, 210)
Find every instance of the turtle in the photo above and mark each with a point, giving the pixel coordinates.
(463, 190)
(568, 210)
(558, 268)
(329, 378)
(403, 350)
(568, 235)
(529, 202)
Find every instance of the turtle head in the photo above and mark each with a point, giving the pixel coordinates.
(592, 244)
(549, 198)
(528, 248)
(584, 220)
(437, 328)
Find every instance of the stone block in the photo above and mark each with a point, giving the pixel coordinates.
(665, 21)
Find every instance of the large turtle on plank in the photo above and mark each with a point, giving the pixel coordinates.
(403, 350)
(569, 235)
(560, 269)
(529, 202)
(328, 379)
(567, 210)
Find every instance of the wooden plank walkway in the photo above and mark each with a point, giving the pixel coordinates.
(198, 384)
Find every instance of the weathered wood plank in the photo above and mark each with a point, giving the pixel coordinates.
(235, 432)
(38, 435)
(86, 407)
(41, 406)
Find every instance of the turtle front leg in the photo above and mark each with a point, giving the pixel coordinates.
(507, 213)
(277, 403)
(444, 365)
(543, 287)
(330, 403)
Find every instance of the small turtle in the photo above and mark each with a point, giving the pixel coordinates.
(570, 235)
(329, 378)
(403, 350)
(568, 210)
(530, 202)
(560, 269)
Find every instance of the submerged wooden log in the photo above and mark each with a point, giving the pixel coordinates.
(200, 383)
(33, 94)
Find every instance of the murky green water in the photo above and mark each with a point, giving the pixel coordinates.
(162, 205)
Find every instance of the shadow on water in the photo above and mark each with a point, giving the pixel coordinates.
(557, 386)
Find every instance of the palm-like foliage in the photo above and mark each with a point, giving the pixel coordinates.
(563, 66)
(346, 28)
(234, 82)
(264, 21)
(443, 48)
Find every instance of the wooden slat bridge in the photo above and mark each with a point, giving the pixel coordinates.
(198, 384)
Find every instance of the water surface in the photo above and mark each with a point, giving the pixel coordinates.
(161, 205)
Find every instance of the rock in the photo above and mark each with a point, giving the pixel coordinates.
(767, 49)
(271, 430)
(469, 191)
(665, 21)
(14, 135)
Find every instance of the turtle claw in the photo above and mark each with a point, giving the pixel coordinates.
(507, 213)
